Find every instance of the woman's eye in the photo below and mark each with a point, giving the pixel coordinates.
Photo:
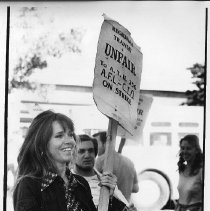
(71, 135)
(59, 136)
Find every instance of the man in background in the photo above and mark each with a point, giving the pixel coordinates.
(123, 167)
(86, 151)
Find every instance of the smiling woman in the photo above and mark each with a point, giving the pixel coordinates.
(43, 173)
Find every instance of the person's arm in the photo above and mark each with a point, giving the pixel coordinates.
(25, 196)
(135, 188)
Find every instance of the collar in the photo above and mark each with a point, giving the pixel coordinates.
(50, 177)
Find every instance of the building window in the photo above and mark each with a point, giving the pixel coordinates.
(188, 124)
(161, 124)
(160, 139)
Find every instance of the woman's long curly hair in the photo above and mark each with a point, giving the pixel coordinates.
(34, 159)
(198, 161)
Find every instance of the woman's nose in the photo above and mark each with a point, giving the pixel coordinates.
(69, 139)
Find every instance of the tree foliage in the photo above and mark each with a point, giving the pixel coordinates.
(196, 97)
(34, 39)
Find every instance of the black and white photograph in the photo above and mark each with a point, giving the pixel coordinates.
(104, 106)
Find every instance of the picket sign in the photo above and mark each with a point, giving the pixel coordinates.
(144, 105)
(116, 86)
(117, 74)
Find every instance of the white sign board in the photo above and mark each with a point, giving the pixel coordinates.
(117, 74)
(144, 105)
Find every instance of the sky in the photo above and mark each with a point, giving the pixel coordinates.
(171, 36)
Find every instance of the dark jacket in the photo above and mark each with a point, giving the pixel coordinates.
(29, 197)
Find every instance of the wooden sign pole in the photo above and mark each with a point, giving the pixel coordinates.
(108, 162)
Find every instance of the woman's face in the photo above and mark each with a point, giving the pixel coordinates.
(188, 151)
(61, 144)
